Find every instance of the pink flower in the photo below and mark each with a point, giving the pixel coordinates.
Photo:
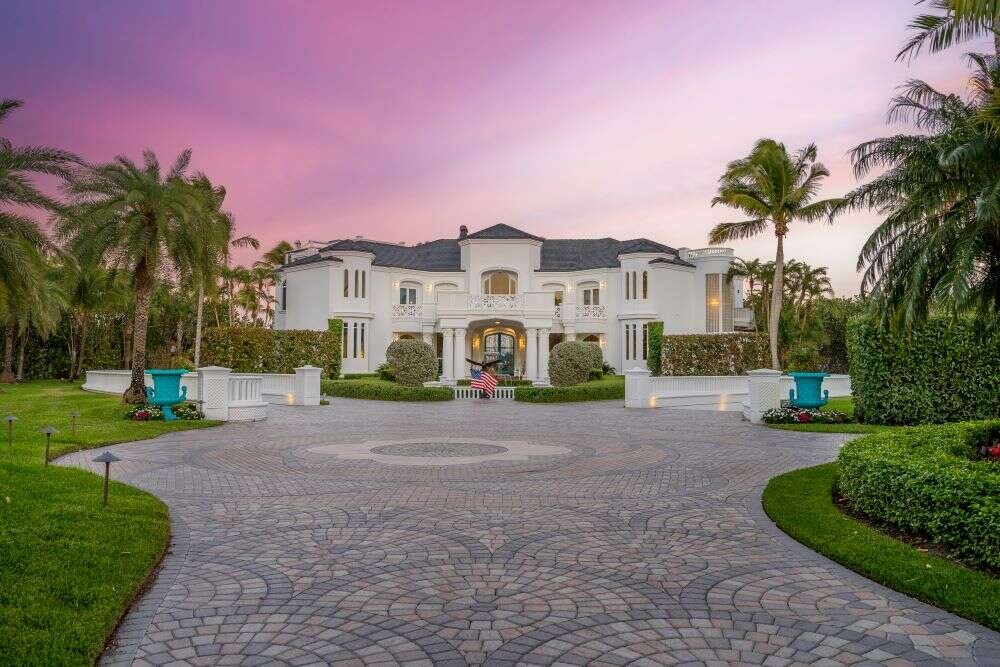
(804, 417)
(994, 451)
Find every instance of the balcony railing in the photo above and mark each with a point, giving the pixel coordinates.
(708, 252)
(592, 312)
(496, 302)
(557, 312)
(403, 310)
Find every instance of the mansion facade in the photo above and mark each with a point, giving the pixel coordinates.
(503, 294)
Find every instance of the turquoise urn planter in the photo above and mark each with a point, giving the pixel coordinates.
(806, 393)
(166, 390)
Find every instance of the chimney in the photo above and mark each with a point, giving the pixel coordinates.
(463, 231)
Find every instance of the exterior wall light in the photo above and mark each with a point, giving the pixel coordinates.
(48, 431)
(10, 430)
(73, 415)
(107, 458)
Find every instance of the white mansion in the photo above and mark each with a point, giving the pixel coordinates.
(501, 293)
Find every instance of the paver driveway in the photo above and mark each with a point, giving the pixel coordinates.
(579, 534)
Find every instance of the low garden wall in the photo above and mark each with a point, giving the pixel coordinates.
(943, 371)
(926, 482)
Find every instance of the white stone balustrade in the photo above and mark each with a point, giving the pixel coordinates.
(592, 312)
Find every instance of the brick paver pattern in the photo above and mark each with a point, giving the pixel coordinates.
(635, 538)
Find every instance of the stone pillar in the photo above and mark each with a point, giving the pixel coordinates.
(447, 357)
(213, 382)
(569, 334)
(531, 354)
(543, 356)
(306, 385)
(637, 389)
(428, 334)
(762, 393)
(459, 351)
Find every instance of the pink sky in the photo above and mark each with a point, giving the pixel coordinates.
(401, 121)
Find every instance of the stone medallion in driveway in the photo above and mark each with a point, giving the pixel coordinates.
(497, 533)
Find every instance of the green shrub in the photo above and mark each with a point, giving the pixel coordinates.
(501, 382)
(654, 357)
(714, 354)
(381, 390)
(945, 370)
(359, 376)
(258, 350)
(923, 481)
(804, 356)
(385, 372)
(413, 362)
(606, 389)
(571, 361)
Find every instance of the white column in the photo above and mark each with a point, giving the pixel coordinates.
(569, 334)
(531, 362)
(459, 354)
(214, 384)
(429, 335)
(307, 385)
(543, 355)
(637, 389)
(762, 393)
(447, 357)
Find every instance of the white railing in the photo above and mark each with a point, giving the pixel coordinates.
(506, 393)
(403, 310)
(708, 252)
(279, 387)
(557, 312)
(496, 302)
(743, 316)
(593, 312)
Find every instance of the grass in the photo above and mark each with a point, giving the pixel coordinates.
(377, 389)
(801, 503)
(843, 404)
(609, 387)
(68, 567)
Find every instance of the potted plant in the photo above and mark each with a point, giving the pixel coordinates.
(803, 363)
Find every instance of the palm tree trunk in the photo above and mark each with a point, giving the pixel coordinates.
(21, 354)
(136, 392)
(7, 376)
(71, 345)
(777, 292)
(197, 323)
(83, 347)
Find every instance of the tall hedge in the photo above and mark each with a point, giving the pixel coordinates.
(256, 350)
(571, 362)
(945, 370)
(654, 358)
(714, 354)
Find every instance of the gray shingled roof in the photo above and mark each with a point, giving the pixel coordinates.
(557, 254)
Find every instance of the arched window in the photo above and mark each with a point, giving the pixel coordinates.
(364, 275)
(645, 284)
(357, 283)
(635, 292)
(557, 291)
(628, 293)
(284, 294)
(499, 282)
(347, 284)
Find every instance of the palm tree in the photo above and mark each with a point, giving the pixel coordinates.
(21, 239)
(775, 189)
(206, 255)
(137, 219)
(940, 194)
(229, 275)
(955, 21)
(85, 286)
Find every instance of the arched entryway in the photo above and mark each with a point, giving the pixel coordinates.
(501, 346)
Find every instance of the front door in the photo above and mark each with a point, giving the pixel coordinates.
(500, 346)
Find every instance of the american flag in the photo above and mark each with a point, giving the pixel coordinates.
(484, 382)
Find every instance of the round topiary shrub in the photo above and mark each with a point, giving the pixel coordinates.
(412, 361)
(571, 362)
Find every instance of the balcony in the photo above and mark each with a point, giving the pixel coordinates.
(526, 304)
(591, 312)
(707, 252)
(496, 303)
(414, 311)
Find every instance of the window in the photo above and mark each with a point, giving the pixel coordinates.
(712, 302)
(343, 342)
(284, 294)
(591, 296)
(558, 297)
(645, 284)
(357, 283)
(347, 285)
(361, 354)
(499, 282)
(407, 295)
(364, 274)
(354, 329)
(628, 294)
(628, 351)
(645, 339)
(635, 293)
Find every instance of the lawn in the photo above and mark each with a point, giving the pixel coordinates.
(843, 404)
(801, 503)
(68, 567)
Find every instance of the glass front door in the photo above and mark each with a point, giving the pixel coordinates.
(500, 346)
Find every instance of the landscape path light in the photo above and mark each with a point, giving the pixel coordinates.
(107, 458)
(73, 415)
(10, 430)
(48, 431)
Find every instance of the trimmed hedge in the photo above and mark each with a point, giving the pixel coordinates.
(257, 350)
(571, 361)
(501, 382)
(382, 390)
(945, 370)
(714, 354)
(605, 389)
(413, 362)
(654, 357)
(923, 481)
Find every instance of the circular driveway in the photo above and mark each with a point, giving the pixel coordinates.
(474, 532)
